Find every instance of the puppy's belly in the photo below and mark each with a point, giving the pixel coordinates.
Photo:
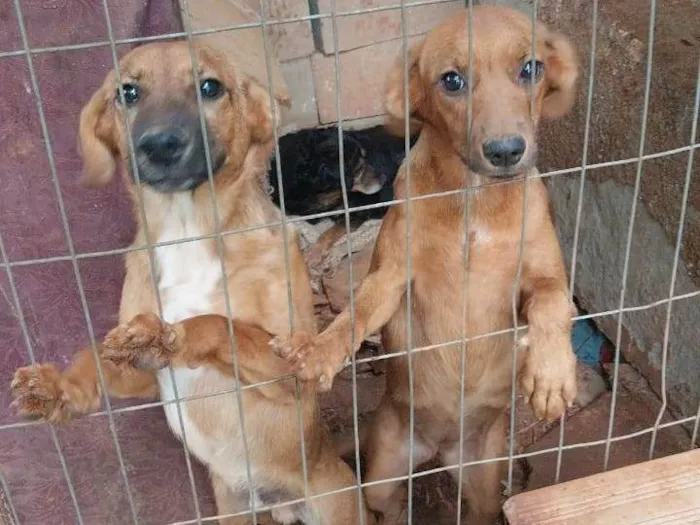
(184, 379)
(223, 454)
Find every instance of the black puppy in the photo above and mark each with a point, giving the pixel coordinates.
(311, 171)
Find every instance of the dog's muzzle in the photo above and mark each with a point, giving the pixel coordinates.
(170, 152)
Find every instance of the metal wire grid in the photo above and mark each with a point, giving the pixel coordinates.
(74, 257)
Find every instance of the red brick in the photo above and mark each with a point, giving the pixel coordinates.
(369, 28)
(292, 39)
(363, 74)
(299, 80)
(244, 47)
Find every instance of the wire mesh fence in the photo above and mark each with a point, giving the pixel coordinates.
(74, 256)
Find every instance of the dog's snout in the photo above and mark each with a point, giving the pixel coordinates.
(164, 147)
(504, 152)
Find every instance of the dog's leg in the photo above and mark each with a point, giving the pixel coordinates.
(388, 455)
(227, 502)
(43, 392)
(548, 378)
(321, 357)
(481, 484)
(147, 342)
(330, 474)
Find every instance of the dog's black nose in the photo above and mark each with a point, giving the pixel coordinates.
(164, 147)
(504, 152)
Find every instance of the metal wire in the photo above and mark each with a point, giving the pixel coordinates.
(515, 295)
(630, 231)
(8, 498)
(285, 238)
(143, 406)
(408, 353)
(351, 271)
(200, 32)
(694, 436)
(151, 258)
(447, 468)
(335, 213)
(32, 358)
(466, 253)
(409, 262)
(674, 270)
(220, 248)
(579, 204)
(76, 270)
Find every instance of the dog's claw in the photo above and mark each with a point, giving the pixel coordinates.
(280, 347)
(39, 392)
(145, 343)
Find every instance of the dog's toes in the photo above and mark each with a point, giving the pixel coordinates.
(115, 346)
(145, 342)
(144, 329)
(277, 344)
(325, 382)
(147, 361)
(36, 391)
(280, 347)
(555, 406)
(539, 404)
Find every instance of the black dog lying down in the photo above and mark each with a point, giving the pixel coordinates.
(311, 171)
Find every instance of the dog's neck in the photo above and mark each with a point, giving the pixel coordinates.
(239, 196)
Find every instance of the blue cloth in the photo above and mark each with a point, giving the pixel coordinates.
(587, 342)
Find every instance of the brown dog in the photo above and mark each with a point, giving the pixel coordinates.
(494, 156)
(160, 106)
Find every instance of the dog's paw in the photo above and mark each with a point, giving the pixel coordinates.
(36, 392)
(145, 342)
(40, 393)
(313, 358)
(548, 378)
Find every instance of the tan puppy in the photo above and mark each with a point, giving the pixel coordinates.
(160, 105)
(494, 155)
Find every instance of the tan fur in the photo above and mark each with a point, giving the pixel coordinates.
(255, 277)
(442, 160)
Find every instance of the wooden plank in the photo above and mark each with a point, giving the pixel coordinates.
(664, 491)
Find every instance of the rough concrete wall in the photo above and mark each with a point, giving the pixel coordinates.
(615, 134)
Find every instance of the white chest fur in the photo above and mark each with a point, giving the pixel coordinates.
(188, 272)
(188, 276)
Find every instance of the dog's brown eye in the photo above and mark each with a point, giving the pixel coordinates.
(211, 88)
(453, 82)
(531, 71)
(131, 94)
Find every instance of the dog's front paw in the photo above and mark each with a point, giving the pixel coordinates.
(145, 342)
(36, 391)
(313, 358)
(548, 379)
(40, 393)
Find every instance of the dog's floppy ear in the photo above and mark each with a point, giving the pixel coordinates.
(394, 93)
(561, 73)
(260, 114)
(96, 143)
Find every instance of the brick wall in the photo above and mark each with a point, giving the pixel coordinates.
(368, 44)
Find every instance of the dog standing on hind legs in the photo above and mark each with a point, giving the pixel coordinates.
(496, 158)
(160, 103)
